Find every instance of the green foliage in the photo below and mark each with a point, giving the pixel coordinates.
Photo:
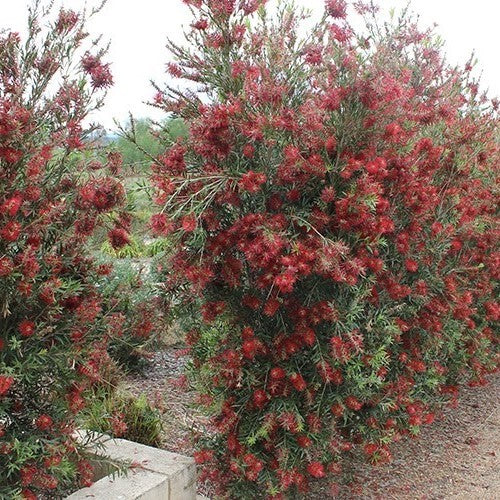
(138, 250)
(140, 140)
(124, 416)
(130, 298)
(132, 155)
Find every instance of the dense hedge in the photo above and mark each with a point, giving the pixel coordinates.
(53, 192)
(337, 256)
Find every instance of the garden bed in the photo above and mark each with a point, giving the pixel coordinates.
(456, 457)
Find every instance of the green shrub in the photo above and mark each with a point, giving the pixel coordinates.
(130, 303)
(124, 416)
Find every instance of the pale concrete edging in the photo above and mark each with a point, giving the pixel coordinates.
(155, 474)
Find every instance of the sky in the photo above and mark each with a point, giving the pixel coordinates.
(138, 30)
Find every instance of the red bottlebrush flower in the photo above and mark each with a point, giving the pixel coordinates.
(252, 181)
(316, 469)
(6, 266)
(331, 145)
(247, 333)
(250, 348)
(203, 456)
(353, 403)
(370, 448)
(277, 373)
(28, 474)
(249, 150)
(104, 195)
(26, 328)
(376, 167)
(328, 194)
(336, 8)
(314, 55)
(260, 398)
(161, 225)
(250, 6)
(44, 422)
(254, 466)
(411, 265)
(85, 226)
(333, 98)
(385, 225)
(118, 238)
(251, 302)
(417, 366)
(390, 423)
(298, 381)
(86, 472)
(286, 281)
(303, 441)
(11, 206)
(421, 288)
(52, 461)
(415, 420)
(337, 409)
(10, 155)
(189, 223)
(211, 310)
(429, 418)
(76, 401)
(313, 422)
(328, 374)
(392, 130)
(47, 482)
(293, 195)
(5, 384)
(308, 336)
(28, 495)
(101, 76)
(271, 307)
(436, 228)
(456, 246)
(114, 162)
(340, 33)
(492, 309)
(194, 3)
(11, 231)
(67, 20)
(201, 24)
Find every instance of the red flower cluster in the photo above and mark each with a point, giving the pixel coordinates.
(252, 181)
(100, 73)
(5, 383)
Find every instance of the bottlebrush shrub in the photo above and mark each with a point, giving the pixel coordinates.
(52, 196)
(334, 207)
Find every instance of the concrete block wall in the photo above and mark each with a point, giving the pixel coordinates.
(155, 475)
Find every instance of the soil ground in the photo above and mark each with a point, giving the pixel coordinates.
(458, 457)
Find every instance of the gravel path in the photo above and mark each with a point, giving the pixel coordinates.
(458, 457)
